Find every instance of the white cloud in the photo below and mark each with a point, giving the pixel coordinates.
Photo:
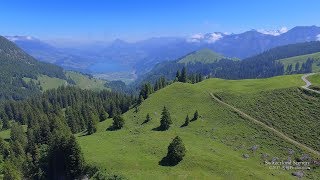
(318, 37)
(195, 38)
(283, 30)
(209, 38)
(274, 32)
(214, 37)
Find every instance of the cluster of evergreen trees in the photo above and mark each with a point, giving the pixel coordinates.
(148, 88)
(305, 67)
(183, 77)
(49, 150)
(49, 153)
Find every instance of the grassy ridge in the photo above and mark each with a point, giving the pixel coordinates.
(215, 143)
(203, 56)
(302, 59)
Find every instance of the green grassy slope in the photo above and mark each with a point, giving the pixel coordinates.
(82, 81)
(215, 143)
(85, 82)
(314, 79)
(204, 56)
(303, 58)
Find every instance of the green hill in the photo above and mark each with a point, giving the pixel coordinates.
(15, 66)
(302, 59)
(217, 142)
(204, 56)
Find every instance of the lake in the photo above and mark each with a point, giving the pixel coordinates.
(108, 67)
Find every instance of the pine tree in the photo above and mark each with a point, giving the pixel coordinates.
(103, 116)
(178, 75)
(74, 161)
(118, 122)
(165, 121)
(64, 150)
(5, 122)
(17, 134)
(176, 151)
(183, 77)
(92, 126)
(141, 99)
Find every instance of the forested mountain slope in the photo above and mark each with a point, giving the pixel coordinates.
(15, 65)
(22, 76)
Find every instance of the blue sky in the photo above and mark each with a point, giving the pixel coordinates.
(140, 19)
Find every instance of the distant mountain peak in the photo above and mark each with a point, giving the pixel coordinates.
(204, 55)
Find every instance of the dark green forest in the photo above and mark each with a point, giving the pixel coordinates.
(48, 149)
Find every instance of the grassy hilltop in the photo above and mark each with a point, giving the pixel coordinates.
(217, 141)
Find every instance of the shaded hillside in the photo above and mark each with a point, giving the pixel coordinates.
(15, 65)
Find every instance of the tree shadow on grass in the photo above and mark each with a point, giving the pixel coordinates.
(157, 129)
(165, 161)
(144, 122)
(111, 128)
(184, 125)
(83, 133)
(193, 119)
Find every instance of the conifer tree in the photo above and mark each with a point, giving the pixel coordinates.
(178, 75)
(176, 151)
(141, 99)
(118, 122)
(165, 121)
(5, 122)
(183, 77)
(103, 116)
(92, 126)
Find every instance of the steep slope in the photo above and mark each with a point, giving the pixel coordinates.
(16, 65)
(21, 75)
(216, 142)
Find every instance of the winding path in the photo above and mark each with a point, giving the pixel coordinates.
(278, 133)
(308, 83)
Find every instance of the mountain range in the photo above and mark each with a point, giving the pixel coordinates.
(141, 56)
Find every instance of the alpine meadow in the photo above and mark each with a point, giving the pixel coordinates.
(110, 90)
